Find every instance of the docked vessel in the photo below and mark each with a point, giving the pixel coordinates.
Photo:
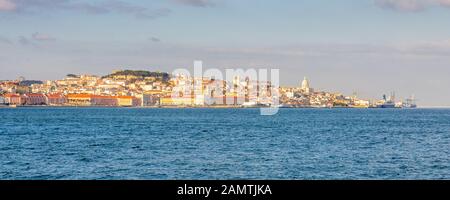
(387, 102)
(386, 105)
(254, 105)
(409, 103)
(284, 106)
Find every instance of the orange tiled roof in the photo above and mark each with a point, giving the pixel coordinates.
(35, 95)
(56, 95)
(81, 96)
(11, 95)
(124, 97)
(102, 97)
(183, 97)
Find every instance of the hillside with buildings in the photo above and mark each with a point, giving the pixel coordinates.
(159, 89)
(138, 75)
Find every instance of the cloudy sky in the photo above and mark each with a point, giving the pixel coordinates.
(370, 47)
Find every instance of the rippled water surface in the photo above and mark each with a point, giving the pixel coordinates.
(128, 143)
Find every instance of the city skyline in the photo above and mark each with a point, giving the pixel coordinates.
(370, 47)
(181, 89)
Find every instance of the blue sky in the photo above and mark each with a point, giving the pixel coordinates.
(370, 47)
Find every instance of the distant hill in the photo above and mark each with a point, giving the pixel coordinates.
(138, 74)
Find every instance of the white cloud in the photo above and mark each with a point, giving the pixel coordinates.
(411, 5)
(42, 37)
(195, 3)
(98, 7)
(7, 5)
(402, 5)
(5, 40)
(35, 39)
(445, 3)
(25, 41)
(155, 39)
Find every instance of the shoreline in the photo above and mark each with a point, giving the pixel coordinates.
(215, 107)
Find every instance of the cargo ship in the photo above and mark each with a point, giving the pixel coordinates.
(387, 102)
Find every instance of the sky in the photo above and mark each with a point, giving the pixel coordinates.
(367, 47)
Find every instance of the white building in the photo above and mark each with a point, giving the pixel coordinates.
(289, 94)
(306, 87)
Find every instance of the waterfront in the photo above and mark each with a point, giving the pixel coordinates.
(136, 143)
(129, 88)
